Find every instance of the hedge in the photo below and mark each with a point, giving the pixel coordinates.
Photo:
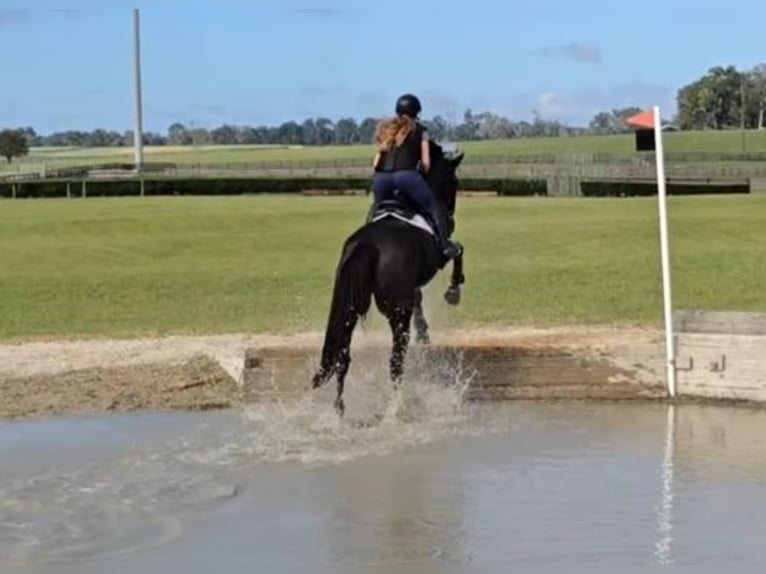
(238, 186)
(615, 189)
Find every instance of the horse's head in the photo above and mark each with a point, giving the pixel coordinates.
(442, 177)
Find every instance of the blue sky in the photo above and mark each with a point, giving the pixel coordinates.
(268, 61)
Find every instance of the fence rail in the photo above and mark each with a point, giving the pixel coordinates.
(56, 170)
(693, 166)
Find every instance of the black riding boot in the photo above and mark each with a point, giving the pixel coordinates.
(450, 249)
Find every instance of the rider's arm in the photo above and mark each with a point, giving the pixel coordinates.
(376, 159)
(425, 151)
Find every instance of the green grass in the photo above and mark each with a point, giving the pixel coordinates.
(709, 141)
(134, 266)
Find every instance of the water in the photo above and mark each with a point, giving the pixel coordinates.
(444, 488)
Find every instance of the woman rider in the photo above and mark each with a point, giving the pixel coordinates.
(402, 143)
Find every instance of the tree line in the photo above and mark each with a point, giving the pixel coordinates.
(312, 131)
(724, 97)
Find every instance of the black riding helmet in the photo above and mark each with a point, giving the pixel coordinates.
(408, 105)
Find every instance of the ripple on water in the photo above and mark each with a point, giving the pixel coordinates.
(136, 499)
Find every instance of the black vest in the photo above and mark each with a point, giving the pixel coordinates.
(405, 156)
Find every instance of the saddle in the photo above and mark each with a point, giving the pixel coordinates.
(402, 209)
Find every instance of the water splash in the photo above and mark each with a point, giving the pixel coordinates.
(379, 419)
(131, 499)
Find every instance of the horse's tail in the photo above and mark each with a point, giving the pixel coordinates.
(351, 299)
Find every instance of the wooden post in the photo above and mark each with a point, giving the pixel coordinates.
(758, 185)
(84, 188)
(564, 185)
(721, 354)
(68, 190)
(141, 183)
(13, 190)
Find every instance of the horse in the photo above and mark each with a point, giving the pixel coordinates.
(390, 258)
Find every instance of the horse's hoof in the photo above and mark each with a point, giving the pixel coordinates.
(318, 381)
(452, 296)
(340, 407)
(423, 339)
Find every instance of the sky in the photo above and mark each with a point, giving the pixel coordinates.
(268, 61)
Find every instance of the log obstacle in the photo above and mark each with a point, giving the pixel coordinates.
(719, 356)
(494, 372)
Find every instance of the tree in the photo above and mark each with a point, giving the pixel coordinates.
(31, 135)
(712, 102)
(326, 130)
(13, 143)
(290, 133)
(438, 128)
(346, 131)
(469, 128)
(310, 132)
(178, 135)
(613, 122)
(367, 130)
(755, 97)
(224, 135)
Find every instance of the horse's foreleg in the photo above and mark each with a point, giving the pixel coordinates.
(399, 322)
(452, 295)
(419, 318)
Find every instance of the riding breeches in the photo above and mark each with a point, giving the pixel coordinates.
(414, 185)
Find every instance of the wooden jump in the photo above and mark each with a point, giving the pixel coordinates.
(720, 355)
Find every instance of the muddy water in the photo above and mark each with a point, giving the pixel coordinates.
(442, 488)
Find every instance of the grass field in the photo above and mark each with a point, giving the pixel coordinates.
(718, 142)
(119, 267)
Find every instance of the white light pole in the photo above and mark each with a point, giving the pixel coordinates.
(137, 125)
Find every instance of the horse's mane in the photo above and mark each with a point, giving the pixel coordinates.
(437, 152)
(438, 171)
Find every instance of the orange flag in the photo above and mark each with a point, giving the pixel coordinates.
(643, 119)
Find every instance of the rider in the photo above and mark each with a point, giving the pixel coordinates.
(402, 157)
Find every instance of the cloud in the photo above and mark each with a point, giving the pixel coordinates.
(573, 107)
(549, 104)
(70, 12)
(320, 90)
(216, 110)
(11, 17)
(579, 106)
(445, 102)
(325, 13)
(373, 104)
(587, 52)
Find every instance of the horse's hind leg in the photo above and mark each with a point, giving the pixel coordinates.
(419, 318)
(339, 367)
(343, 364)
(399, 321)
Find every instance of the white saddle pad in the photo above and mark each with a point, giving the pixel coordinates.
(416, 221)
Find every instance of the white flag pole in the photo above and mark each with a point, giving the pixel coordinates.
(664, 255)
(138, 135)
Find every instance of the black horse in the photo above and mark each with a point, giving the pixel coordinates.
(390, 258)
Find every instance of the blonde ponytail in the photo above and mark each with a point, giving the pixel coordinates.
(393, 131)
